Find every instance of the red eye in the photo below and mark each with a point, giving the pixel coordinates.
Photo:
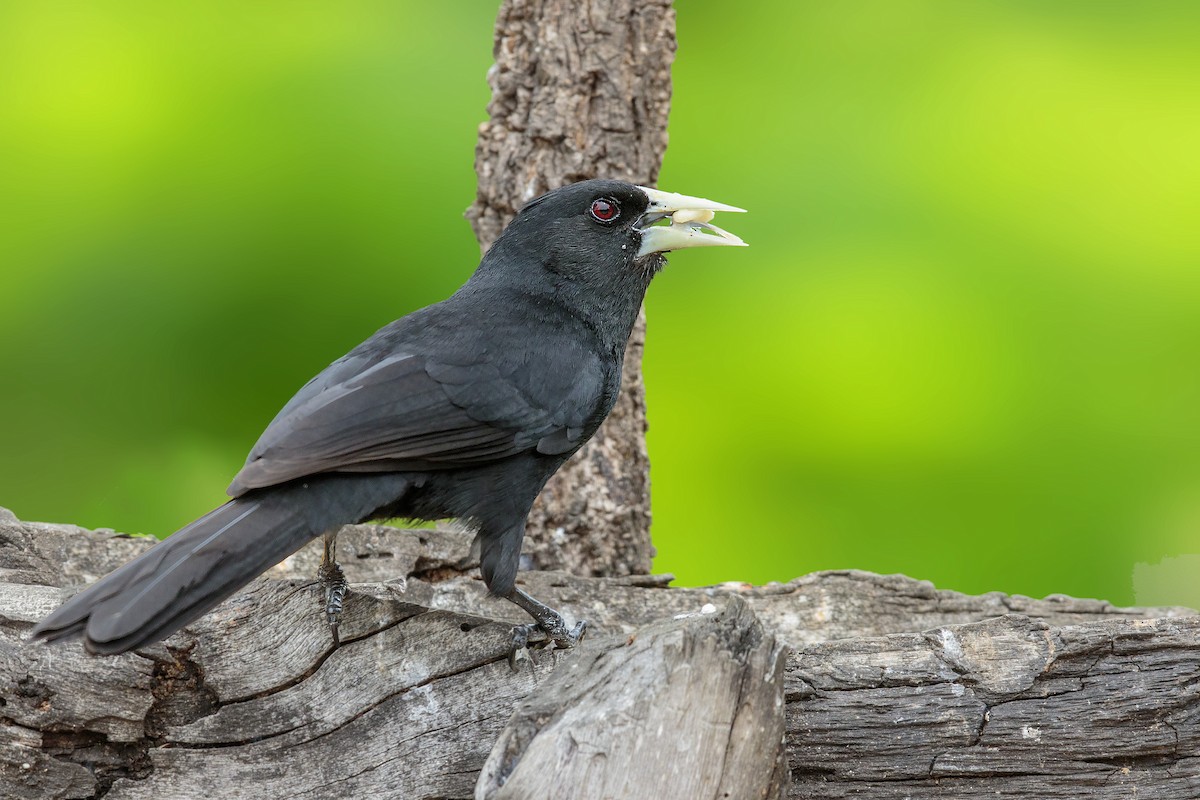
(605, 210)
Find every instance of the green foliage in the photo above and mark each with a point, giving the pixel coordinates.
(963, 345)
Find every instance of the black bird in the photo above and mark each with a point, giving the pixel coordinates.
(462, 409)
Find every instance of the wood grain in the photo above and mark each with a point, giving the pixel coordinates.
(893, 688)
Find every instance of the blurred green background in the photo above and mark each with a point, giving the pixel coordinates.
(965, 344)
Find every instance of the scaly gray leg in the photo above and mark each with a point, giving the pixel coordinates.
(331, 577)
(548, 620)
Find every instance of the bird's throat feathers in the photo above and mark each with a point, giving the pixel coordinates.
(602, 285)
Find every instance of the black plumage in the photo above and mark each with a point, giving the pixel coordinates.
(462, 409)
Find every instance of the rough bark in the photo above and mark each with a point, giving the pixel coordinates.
(893, 688)
(581, 90)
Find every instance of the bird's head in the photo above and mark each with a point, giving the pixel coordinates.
(605, 233)
(593, 247)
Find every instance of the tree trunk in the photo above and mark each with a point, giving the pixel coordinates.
(838, 684)
(581, 91)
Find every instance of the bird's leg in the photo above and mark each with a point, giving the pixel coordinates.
(331, 577)
(548, 620)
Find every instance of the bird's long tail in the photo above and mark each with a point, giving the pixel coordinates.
(185, 575)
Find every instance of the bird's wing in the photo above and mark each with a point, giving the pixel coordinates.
(399, 411)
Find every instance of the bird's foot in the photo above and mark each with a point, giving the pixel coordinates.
(331, 577)
(554, 631)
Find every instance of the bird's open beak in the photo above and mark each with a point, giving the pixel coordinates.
(684, 222)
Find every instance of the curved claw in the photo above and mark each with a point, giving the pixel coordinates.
(519, 650)
(575, 636)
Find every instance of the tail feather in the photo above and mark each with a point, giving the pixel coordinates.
(184, 576)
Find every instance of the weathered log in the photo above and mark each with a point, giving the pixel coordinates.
(581, 92)
(253, 701)
(689, 707)
(1006, 708)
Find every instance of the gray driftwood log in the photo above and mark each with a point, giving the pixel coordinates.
(581, 91)
(880, 686)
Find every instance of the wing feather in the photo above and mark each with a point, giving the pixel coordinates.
(402, 411)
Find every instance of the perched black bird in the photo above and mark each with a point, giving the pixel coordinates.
(462, 409)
